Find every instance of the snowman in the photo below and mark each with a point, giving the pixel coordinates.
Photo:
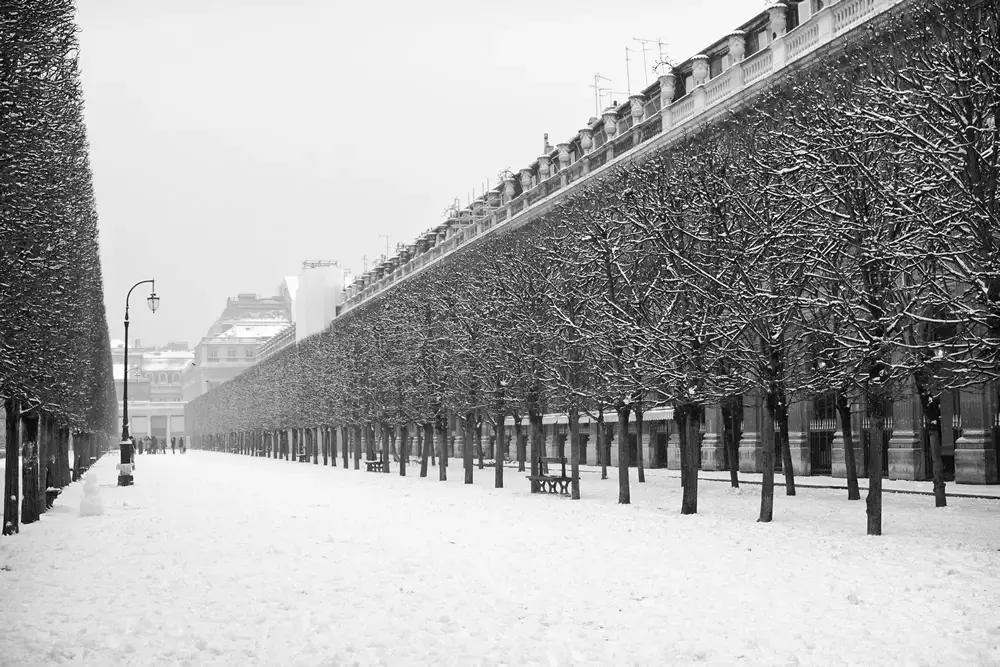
(91, 505)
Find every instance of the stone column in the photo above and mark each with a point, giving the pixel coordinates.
(647, 440)
(673, 446)
(615, 444)
(712, 453)
(975, 453)
(906, 452)
(798, 437)
(587, 450)
(750, 449)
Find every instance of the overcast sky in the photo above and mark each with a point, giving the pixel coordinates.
(233, 139)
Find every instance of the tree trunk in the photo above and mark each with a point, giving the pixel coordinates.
(876, 415)
(12, 451)
(574, 452)
(498, 456)
(519, 443)
(844, 410)
(786, 452)
(535, 441)
(425, 448)
(732, 443)
(624, 497)
(47, 440)
(441, 433)
(345, 445)
(386, 444)
(468, 433)
(62, 458)
(768, 433)
(692, 429)
(404, 452)
(682, 439)
(478, 443)
(29, 471)
(356, 437)
(931, 408)
(78, 440)
(602, 445)
(638, 445)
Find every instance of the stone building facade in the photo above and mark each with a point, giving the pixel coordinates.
(780, 40)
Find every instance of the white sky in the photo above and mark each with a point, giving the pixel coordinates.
(232, 139)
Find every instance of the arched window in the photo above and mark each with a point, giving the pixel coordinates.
(163, 378)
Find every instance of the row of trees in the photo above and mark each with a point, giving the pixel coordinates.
(55, 355)
(838, 235)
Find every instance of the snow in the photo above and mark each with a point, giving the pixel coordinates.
(218, 559)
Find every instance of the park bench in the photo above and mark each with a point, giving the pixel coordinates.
(375, 465)
(303, 457)
(51, 494)
(550, 483)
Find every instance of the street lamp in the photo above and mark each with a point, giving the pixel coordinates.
(126, 464)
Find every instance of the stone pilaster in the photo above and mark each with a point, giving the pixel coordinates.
(615, 444)
(674, 447)
(906, 452)
(647, 441)
(548, 440)
(750, 447)
(712, 454)
(798, 437)
(975, 453)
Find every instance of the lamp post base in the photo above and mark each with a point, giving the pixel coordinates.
(125, 477)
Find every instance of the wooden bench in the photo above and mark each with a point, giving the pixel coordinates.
(51, 493)
(303, 457)
(375, 465)
(551, 483)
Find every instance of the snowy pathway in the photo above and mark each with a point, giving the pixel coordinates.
(215, 559)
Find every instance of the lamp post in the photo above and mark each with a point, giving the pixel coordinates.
(125, 466)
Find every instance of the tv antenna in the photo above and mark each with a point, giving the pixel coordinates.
(598, 91)
(645, 47)
(628, 74)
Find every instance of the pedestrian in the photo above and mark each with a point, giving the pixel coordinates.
(183, 446)
(152, 445)
(173, 445)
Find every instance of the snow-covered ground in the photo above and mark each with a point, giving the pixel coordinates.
(215, 559)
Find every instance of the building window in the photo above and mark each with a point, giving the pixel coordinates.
(249, 352)
(213, 354)
(715, 66)
(792, 17)
(163, 378)
(177, 378)
(231, 353)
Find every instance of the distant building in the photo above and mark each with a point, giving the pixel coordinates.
(155, 397)
(318, 299)
(232, 343)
